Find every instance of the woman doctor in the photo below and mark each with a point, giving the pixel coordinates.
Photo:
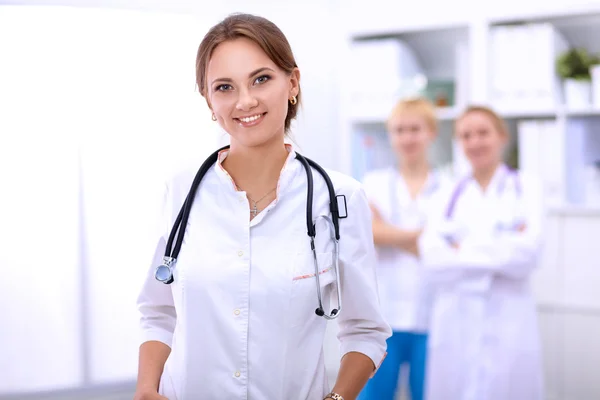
(239, 321)
(400, 197)
(483, 342)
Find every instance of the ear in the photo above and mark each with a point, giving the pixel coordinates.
(433, 134)
(505, 137)
(295, 82)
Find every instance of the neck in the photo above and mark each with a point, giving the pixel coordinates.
(256, 169)
(483, 176)
(415, 176)
(415, 170)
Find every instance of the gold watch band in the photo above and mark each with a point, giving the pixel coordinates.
(333, 396)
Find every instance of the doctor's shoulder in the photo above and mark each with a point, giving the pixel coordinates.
(346, 186)
(445, 183)
(376, 179)
(376, 185)
(177, 186)
(531, 186)
(438, 200)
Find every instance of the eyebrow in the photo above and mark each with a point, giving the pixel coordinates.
(250, 75)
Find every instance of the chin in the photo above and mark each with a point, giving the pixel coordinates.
(255, 139)
(482, 164)
(413, 158)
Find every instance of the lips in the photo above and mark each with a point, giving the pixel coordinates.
(250, 120)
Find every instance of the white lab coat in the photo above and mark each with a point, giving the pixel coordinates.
(240, 316)
(483, 341)
(405, 296)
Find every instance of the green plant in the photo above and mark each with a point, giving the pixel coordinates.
(575, 63)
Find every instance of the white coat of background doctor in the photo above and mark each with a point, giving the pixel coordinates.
(480, 253)
(401, 196)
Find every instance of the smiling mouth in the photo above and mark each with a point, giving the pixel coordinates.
(251, 119)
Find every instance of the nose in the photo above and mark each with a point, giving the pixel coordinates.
(246, 101)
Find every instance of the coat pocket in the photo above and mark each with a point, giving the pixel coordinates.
(304, 267)
(304, 295)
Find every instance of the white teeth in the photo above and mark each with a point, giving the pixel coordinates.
(250, 119)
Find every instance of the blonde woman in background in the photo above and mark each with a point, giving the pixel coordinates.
(400, 198)
(481, 252)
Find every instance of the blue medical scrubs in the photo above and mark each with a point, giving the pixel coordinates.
(403, 348)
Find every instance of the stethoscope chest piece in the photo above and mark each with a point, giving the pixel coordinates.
(164, 272)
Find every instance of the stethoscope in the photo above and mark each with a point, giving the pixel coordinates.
(164, 272)
(508, 173)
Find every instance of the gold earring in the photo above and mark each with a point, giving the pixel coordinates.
(293, 100)
(214, 117)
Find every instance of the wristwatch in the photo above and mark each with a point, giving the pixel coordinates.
(333, 396)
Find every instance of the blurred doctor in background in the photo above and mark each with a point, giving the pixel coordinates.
(400, 198)
(483, 342)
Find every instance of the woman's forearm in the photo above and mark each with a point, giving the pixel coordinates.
(152, 358)
(355, 371)
(388, 235)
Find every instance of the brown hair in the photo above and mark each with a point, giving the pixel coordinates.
(262, 32)
(497, 121)
(419, 106)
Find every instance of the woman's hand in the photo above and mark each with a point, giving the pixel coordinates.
(148, 395)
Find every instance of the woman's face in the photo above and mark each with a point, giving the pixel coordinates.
(248, 93)
(481, 141)
(410, 137)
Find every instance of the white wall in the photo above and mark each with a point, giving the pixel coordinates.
(98, 108)
(311, 27)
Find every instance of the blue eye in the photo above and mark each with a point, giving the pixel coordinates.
(262, 79)
(224, 87)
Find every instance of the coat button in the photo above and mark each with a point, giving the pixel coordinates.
(237, 311)
(240, 253)
(237, 374)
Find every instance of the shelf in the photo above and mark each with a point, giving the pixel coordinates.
(409, 31)
(580, 31)
(562, 308)
(527, 114)
(575, 210)
(451, 113)
(426, 62)
(443, 114)
(573, 20)
(582, 112)
(550, 113)
(532, 90)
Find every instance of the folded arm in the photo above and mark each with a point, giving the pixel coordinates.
(385, 234)
(510, 252)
